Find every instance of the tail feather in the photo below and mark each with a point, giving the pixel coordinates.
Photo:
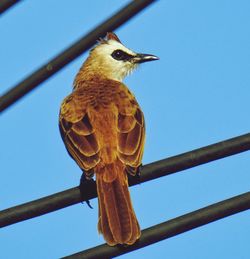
(103, 225)
(117, 220)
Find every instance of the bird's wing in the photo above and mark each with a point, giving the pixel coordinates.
(77, 131)
(131, 131)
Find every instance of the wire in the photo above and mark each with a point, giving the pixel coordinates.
(6, 4)
(149, 172)
(172, 227)
(71, 53)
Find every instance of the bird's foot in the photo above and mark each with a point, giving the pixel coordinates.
(138, 173)
(84, 188)
(134, 174)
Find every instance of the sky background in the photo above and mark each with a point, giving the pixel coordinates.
(195, 95)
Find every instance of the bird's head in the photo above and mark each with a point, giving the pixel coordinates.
(111, 58)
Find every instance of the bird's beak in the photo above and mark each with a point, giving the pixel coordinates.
(140, 58)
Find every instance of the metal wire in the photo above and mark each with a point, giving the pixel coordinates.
(6, 4)
(71, 53)
(149, 172)
(172, 227)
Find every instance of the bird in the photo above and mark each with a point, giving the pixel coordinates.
(103, 129)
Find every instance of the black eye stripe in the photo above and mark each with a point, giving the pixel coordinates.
(121, 55)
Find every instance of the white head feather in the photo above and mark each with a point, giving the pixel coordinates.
(112, 60)
(115, 69)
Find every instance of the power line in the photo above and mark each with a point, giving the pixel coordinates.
(149, 172)
(172, 227)
(6, 4)
(71, 53)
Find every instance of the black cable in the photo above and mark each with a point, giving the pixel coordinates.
(71, 53)
(149, 172)
(172, 227)
(6, 4)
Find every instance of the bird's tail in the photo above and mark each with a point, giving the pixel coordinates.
(117, 220)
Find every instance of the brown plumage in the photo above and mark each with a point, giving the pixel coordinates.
(103, 129)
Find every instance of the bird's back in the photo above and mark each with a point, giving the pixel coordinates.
(112, 121)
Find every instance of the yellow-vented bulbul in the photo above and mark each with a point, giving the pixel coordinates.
(103, 129)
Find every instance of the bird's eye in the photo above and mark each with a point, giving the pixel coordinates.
(120, 55)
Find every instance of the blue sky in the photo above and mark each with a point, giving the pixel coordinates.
(197, 94)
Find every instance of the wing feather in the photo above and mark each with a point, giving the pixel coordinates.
(83, 127)
(128, 142)
(125, 123)
(131, 137)
(78, 133)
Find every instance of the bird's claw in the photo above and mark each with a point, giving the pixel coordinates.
(134, 176)
(138, 174)
(84, 185)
